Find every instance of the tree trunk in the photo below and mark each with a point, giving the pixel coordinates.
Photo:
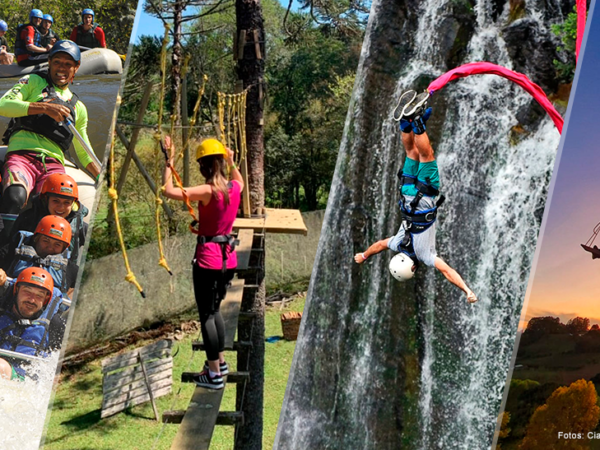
(250, 70)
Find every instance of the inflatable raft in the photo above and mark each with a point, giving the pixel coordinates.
(85, 183)
(93, 62)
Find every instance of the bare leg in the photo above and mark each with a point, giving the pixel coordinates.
(408, 140)
(453, 277)
(424, 148)
(5, 369)
(377, 247)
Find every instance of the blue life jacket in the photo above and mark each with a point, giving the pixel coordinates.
(26, 256)
(20, 46)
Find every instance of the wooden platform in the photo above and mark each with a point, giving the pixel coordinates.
(244, 249)
(285, 221)
(199, 420)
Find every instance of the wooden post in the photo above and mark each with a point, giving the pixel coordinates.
(246, 192)
(241, 44)
(186, 132)
(149, 386)
(143, 170)
(134, 136)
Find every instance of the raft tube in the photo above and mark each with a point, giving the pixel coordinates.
(93, 62)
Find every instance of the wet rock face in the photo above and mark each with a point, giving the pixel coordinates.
(533, 51)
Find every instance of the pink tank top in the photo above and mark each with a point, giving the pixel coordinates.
(216, 219)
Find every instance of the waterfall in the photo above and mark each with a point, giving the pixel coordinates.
(387, 365)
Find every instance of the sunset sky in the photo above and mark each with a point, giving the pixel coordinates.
(566, 281)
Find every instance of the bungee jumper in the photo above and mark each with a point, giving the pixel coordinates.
(420, 184)
(88, 34)
(39, 134)
(215, 259)
(23, 329)
(595, 251)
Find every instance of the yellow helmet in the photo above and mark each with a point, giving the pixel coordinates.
(210, 147)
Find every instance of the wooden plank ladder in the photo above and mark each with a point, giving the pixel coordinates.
(198, 421)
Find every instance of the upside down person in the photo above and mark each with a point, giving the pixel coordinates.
(420, 182)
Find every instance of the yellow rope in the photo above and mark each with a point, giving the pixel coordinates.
(157, 136)
(232, 123)
(114, 196)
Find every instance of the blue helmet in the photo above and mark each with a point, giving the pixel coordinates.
(87, 11)
(68, 47)
(3, 25)
(36, 13)
(48, 17)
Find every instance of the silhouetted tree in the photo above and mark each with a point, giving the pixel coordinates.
(570, 409)
(578, 326)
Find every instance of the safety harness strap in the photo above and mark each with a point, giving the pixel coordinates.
(223, 240)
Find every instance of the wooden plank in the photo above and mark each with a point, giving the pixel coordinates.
(236, 346)
(224, 418)
(257, 45)
(233, 377)
(159, 345)
(114, 399)
(129, 375)
(241, 44)
(134, 401)
(230, 309)
(117, 391)
(244, 249)
(246, 192)
(130, 358)
(285, 221)
(230, 418)
(149, 388)
(199, 420)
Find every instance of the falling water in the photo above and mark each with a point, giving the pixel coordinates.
(23, 406)
(382, 365)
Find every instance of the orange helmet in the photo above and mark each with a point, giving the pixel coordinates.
(38, 277)
(55, 227)
(61, 185)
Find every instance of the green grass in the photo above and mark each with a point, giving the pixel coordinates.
(75, 420)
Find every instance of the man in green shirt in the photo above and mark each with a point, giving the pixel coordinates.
(38, 135)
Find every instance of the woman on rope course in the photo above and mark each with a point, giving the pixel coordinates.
(420, 183)
(215, 259)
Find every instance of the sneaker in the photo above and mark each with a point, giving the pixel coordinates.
(416, 107)
(223, 368)
(203, 379)
(405, 99)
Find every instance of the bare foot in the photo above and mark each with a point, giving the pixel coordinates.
(360, 258)
(471, 297)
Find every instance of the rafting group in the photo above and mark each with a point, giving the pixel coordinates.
(42, 226)
(35, 39)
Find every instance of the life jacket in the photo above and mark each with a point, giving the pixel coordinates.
(418, 221)
(43, 124)
(87, 38)
(45, 40)
(26, 256)
(20, 46)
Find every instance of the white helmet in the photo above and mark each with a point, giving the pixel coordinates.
(402, 267)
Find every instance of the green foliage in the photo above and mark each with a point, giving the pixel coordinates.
(567, 31)
(115, 17)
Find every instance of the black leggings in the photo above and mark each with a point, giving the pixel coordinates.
(210, 287)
